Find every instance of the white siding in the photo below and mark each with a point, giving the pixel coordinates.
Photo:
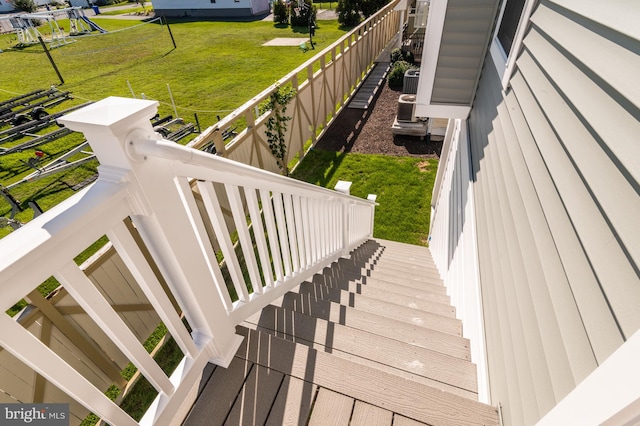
(556, 163)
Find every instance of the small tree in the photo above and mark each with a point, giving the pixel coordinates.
(280, 12)
(348, 12)
(24, 5)
(369, 7)
(277, 124)
(300, 16)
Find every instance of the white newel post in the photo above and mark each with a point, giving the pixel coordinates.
(344, 187)
(113, 127)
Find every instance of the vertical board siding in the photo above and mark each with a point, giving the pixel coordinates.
(555, 164)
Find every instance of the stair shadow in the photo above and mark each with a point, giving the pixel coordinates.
(263, 384)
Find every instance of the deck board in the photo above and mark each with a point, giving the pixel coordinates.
(370, 415)
(401, 293)
(362, 343)
(293, 404)
(443, 371)
(220, 393)
(434, 287)
(331, 408)
(254, 402)
(414, 334)
(407, 398)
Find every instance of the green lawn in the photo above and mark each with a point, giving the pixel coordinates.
(403, 186)
(216, 67)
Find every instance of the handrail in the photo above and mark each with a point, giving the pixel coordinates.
(168, 210)
(171, 151)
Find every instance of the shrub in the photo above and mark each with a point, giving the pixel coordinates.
(300, 16)
(369, 7)
(24, 5)
(348, 12)
(396, 75)
(280, 13)
(398, 54)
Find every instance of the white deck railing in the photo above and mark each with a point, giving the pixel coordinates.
(175, 196)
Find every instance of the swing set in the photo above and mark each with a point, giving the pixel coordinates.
(26, 25)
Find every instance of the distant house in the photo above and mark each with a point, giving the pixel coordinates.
(5, 6)
(211, 8)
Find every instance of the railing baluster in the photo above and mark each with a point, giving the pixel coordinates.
(297, 210)
(28, 349)
(316, 229)
(85, 293)
(269, 219)
(291, 228)
(282, 231)
(312, 224)
(258, 232)
(216, 217)
(133, 258)
(306, 226)
(246, 243)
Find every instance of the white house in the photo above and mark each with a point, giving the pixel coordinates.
(534, 233)
(211, 8)
(535, 213)
(5, 6)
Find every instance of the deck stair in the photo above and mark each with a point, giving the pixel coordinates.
(371, 341)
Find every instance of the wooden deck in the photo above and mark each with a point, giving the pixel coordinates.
(372, 341)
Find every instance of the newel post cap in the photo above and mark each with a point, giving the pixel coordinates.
(107, 123)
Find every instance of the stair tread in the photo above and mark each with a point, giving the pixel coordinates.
(398, 294)
(360, 382)
(415, 285)
(382, 308)
(382, 265)
(438, 304)
(441, 371)
(418, 335)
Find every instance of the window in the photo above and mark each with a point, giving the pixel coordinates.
(509, 23)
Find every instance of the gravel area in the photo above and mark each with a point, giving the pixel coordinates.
(369, 131)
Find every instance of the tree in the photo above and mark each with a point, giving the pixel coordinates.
(348, 12)
(24, 5)
(280, 12)
(300, 16)
(369, 7)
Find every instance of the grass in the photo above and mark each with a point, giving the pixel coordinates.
(403, 186)
(216, 67)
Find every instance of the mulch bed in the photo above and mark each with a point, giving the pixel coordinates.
(369, 131)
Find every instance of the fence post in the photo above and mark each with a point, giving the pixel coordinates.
(113, 126)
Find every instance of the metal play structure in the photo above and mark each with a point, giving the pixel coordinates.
(26, 26)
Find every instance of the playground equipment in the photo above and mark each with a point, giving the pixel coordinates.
(79, 23)
(26, 26)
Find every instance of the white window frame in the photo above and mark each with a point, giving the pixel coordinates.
(503, 63)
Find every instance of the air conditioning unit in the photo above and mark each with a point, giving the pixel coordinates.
(410, 81)
(406, 107)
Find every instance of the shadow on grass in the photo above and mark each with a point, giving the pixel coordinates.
(319, 166)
